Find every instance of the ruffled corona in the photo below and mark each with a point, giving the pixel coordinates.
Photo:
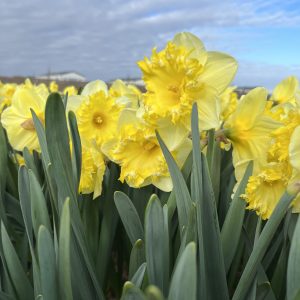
(172, 84)
(92, 170)
(184, 73)
(97, 118)
(265, 189)
(137, 151)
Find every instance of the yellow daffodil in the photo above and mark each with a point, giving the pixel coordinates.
(6, 93)
(92, 169)
(279, 149)
(265, 189)
(53, 87)
(17, 119)
(184, 73)
(136, 149)
(286, 90)
(97, 118)
(249, 129)
(294, 157)
(71, 90)
(89, 89)
(128, 95)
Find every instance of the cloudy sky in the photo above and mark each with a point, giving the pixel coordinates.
(104, 38)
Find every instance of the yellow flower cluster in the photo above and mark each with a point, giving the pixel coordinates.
(265, 131)
(119, 123)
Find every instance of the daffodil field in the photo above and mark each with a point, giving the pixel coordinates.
(184, 190)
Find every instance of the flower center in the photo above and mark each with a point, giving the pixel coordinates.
(173, 88)
(98, 119)
(149, 146)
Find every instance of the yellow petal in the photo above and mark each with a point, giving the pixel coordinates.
(294, 149)
(172, 135)
(74, 102)
(219, 70)
(164, 183)
(94, 87)
(209, 108)
(286, 90)
(249, 108)
(25, 99)
(193, 44)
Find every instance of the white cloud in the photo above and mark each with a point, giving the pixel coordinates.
(105, 38)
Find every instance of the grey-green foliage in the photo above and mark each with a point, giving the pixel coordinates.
(194, 243)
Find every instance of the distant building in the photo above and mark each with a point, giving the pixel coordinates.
(134, 81)
(63, 76)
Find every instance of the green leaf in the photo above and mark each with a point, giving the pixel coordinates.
(183, 198)
(39, 211)
(24, 195)
(64, 257)
(5, 296)
(214, 162)
(76, 143)
(191, 232)
(293, 270)
(16, 272)
(138, 277)
(59, 151)
(129, 217)
(184, 280)
(186, 171)
(25, 203)
(41, 137)
(213, 283)
(157, 261)
(108, 225)
(131, 292)
(3, 171)
(47, 262)
(29, 161)
(59, 147)
(261, 246)
(137, 257)
(232, 227)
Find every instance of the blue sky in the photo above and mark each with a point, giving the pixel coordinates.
(104, 39)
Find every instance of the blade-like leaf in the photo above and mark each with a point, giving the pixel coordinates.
(47, 262)
(261, 246)
(211, 264)
(184, 280)
(137, 257)
(16, 272)
(232, 227)
(183, 198)
(64, 260)
(39, 212)
(155, 239)
(293, 271)
(138, 277)
(129, 217)
(76, 143)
